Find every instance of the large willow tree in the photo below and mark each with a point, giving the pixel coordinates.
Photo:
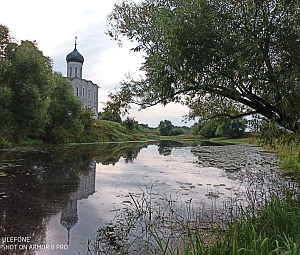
(221, 57)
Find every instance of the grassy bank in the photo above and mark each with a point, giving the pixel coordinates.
(101, 131)
(273, 229)
(108, 131)
(289, 154)
(288, 149)
(248, 137)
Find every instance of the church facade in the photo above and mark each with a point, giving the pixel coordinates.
(85, 90)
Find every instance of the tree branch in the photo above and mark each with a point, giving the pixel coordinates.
(232, 117)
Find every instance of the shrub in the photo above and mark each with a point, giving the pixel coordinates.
(234, 128)
(177, 131)
(109, 115)
(130, 124)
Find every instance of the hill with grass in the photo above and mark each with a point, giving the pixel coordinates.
(107, 131)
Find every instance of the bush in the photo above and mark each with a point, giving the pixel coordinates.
(220, 127)
(130, 124)
(177, 131)
(87, 119)
(234, 128)
(109, 115)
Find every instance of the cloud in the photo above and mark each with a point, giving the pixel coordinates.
(153, 115)
(54, 24)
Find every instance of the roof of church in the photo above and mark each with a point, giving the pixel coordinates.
(84, 80)
(75, 56)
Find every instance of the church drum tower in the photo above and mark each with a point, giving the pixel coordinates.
(85, 90)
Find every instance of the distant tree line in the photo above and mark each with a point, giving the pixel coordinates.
(112, 112)
(233, 128)
(35, 102)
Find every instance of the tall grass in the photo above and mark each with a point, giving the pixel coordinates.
(274, 229)
(290, 163)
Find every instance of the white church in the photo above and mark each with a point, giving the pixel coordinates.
(85, 90)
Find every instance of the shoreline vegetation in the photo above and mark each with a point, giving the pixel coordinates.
(249, 233)
(272, 228)
(109, 131)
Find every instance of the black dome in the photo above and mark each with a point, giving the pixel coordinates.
(69, 221)
(75, 56)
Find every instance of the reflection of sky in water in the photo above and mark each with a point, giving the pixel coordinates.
(180, 176)
(184, 175)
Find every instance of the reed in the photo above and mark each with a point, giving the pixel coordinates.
(145, 227)
(273, 229)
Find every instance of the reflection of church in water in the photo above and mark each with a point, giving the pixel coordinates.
(69, 215)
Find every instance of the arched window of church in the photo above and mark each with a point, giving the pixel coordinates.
(89, 94)
(94, 95)
(82, 92)
(76, 91)
(75, 71)
(70, 72)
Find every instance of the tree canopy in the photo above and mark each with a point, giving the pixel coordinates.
(221, 57)
(35, 102)
(165, 127)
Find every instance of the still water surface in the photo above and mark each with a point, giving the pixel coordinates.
(57, 198)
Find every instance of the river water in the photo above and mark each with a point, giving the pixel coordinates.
(53, 200)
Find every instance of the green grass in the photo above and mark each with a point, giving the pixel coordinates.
(108, 131)
(31, 142)
(274, 229)
(104, 131)
(289, 155)
(249, 137)
(4, 143)
(290, 163)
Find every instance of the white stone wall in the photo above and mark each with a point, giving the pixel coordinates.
(74, 69)
(87, 92)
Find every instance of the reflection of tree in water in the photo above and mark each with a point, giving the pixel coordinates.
(165, 146)
(130, 155)
(112, 152)
(34, 187)
(37, 185)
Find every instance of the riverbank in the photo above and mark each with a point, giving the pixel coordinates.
(251, 232)
(272, 229)
(289, 155)
(108, 131)
(100, 131)
(264, 226)
(210, 237)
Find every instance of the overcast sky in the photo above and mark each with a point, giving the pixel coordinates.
(54, 25)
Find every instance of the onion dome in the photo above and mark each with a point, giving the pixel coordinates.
(69, 221)
(75, 56)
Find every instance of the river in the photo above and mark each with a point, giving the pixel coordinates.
(54, 199)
